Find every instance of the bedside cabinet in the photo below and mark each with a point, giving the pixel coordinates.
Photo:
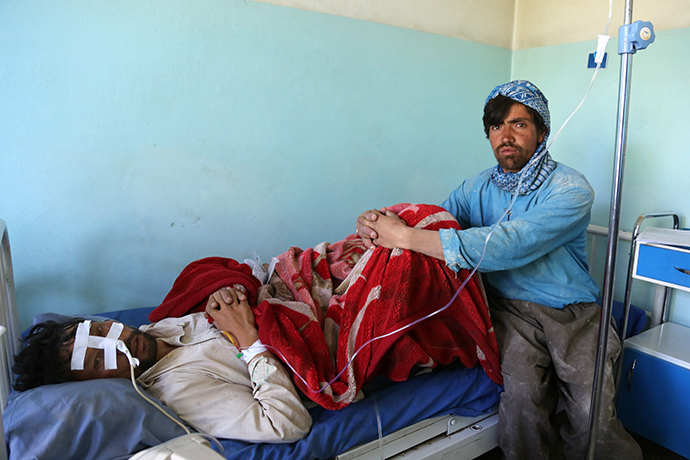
(653, 397)
(653, 392)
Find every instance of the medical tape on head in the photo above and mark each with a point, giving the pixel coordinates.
(81, 341)
(109, 344)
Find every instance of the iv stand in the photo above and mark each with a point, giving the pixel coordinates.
(645, 32)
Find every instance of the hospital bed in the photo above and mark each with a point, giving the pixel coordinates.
(450, 412)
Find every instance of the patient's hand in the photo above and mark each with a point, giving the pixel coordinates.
(231, 312)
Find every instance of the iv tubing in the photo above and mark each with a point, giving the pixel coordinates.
(474, 270)
(402, 328)
(147, 399)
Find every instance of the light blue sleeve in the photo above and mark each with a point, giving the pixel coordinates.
(450, 242)
(540, 222)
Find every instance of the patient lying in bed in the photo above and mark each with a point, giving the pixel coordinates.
(187, 364)
(336, 314)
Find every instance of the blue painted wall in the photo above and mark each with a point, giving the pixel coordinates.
(138, 136)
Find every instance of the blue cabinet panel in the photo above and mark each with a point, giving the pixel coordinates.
(654, 401)
(668, 265)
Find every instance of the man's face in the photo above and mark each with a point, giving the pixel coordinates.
(515, 140)
(141, 345)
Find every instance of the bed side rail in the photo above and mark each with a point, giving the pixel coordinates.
(598, 234)
(446, 436)
(9, 323)
(594, 231)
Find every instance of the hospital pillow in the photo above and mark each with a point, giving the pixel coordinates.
(96, 419)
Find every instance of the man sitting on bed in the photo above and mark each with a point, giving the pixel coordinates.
(541, 296)
(185, 362)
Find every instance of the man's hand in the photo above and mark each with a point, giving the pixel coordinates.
(382, 227)
(365, 226)
(231, 312)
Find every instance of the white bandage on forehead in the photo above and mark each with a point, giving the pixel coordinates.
(109, 344)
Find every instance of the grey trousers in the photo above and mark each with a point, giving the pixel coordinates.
(548, 355)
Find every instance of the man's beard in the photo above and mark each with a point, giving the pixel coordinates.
(514, 162)
(149, 350)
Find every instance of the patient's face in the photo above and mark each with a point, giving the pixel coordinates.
(141, 345)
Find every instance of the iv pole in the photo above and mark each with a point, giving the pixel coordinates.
(628, 44)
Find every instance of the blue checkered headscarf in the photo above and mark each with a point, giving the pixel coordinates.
(541, 164)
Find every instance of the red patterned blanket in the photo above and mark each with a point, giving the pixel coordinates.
(339, 307)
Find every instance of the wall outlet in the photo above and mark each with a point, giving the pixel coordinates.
(592, 65)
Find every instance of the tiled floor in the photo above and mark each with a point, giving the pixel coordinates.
(650, 451)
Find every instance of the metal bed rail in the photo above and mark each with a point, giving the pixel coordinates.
(9, 327)
(443, 437)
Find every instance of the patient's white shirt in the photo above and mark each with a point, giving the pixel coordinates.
(208, 386)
